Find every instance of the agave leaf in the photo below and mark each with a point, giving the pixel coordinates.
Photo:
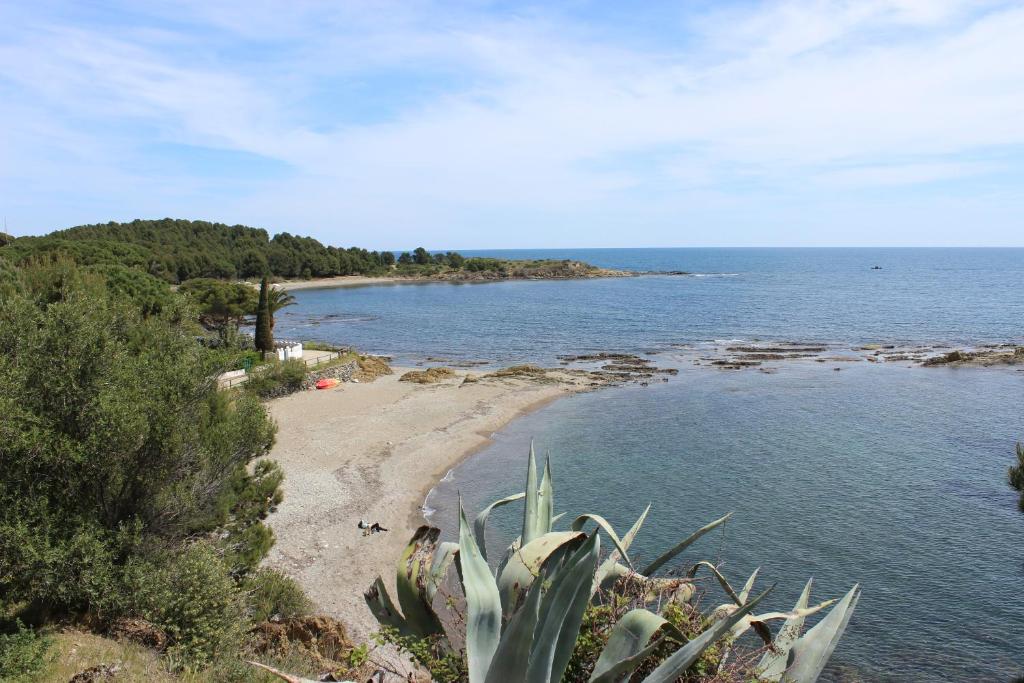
(411, 583)
(546, 500)
(443, 557)
(681, 660)
(480, 522)
(628, 639)
(758, 621)
(608, 566)
(561, 613)
(512, 657)
(773, 663)
(621, 669)
(285, 677)
(524, 565)
(379, 602)
(810, 653)
(577, 525)
(721, 579)
(683, 545)
(745, 591)
(532, 527)
(614, 573)
(483, 605)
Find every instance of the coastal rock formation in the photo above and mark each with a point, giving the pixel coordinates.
(984, 357)
(428, 376)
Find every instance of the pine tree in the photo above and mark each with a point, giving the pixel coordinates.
(264, 334)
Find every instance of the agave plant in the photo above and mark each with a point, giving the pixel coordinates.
(522, 620)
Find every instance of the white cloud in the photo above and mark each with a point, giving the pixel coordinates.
(540, 124)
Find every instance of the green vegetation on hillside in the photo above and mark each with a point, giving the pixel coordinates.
(132, 488)
(177, 250)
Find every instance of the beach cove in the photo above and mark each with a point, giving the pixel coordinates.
(372, 451)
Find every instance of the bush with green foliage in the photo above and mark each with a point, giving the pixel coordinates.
(194, 599)
(276, 379)
(222, 305)
(1015, 475)
(114, 440)
(23, 654)
(272, 594)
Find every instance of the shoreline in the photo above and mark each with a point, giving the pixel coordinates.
(342, 281)
(373, 451)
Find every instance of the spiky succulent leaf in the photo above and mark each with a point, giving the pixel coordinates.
(579, 522)
(773, 663)
(810, 653)
(483, 605)
(532, 524)
(608, 566)
(628, 639)
(621, 669)
(745, 591)
(480, 523)
(443, 558)
(722, 581)
(411, 582)
(683, 545)
(561, 612)
(524, 565)
(758, 621)
(683, 658)
(546, 499)
(512, 658)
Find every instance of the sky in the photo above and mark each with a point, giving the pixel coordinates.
(501, 125)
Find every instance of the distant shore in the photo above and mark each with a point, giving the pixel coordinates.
(455, 278)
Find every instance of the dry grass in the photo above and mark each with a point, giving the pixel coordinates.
(77, 651)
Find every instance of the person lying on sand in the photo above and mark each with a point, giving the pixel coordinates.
(370, 528)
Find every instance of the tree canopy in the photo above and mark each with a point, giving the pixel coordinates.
(176, 250)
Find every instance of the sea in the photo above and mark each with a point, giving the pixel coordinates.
(885, 474)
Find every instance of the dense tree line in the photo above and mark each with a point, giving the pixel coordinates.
(178, 250)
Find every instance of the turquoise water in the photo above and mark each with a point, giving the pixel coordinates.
(880, 474)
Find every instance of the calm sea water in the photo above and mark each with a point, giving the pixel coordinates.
(890, 476)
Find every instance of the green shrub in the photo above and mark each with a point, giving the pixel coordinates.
(279, 379)
(23, 654)
(130, 447)
(194, 599)
(270, 593)
(1016, 475)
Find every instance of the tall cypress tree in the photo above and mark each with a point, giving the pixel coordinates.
(264, 335)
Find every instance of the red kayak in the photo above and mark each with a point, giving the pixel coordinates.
(327, 383)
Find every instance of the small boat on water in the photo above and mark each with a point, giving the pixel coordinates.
(327, 383)
(876, 267)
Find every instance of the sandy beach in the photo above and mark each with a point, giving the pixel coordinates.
(373, 451)
(346, 281)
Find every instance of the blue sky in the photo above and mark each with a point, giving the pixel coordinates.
(485, 125)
